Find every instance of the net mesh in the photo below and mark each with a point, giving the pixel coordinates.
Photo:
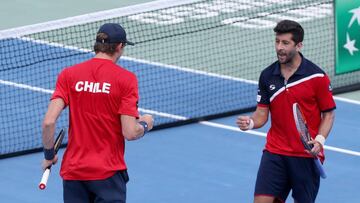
(195, 60)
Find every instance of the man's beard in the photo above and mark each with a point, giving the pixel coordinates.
(284, 58)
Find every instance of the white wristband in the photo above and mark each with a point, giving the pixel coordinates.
(321, 139)
(251, 124)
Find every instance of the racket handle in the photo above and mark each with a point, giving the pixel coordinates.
(320, 168)
(44, 179)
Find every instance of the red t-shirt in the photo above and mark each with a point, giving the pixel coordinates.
(310, 88)
(97, 92)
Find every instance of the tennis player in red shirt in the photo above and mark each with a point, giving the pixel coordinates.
(285, 165)
(102, 98)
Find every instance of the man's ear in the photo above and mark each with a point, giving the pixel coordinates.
(299, 46)
(119, 46)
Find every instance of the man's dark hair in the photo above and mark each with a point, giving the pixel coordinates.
(102, 46)
(289, 26)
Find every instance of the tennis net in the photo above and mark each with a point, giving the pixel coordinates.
(194, 59)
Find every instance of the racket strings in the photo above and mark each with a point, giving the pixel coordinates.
(303, 130)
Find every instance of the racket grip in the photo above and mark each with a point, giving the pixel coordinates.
(320, 168)
(44, 179)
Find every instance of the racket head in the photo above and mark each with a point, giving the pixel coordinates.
(301, 126)
(303, 130)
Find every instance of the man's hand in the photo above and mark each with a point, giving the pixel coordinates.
(47, 163)
(244, 122)
(317, 147)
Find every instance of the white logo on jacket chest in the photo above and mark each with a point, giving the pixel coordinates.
(94, 87)
(272, 87)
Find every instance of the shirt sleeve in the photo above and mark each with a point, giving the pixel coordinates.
(262, 94)
(324, 95)
(61, 89)
(129, 100)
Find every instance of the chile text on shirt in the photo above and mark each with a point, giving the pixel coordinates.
(94, 87)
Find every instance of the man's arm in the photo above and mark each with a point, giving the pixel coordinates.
(131, 127)
(257, 119)
(327, 120)
(48, 128)
(54, 109)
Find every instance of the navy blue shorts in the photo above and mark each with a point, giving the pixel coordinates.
(279, 174)
(110, 190)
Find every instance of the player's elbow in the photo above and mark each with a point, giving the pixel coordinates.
(130, 134)
(131, 130)
(48, 123)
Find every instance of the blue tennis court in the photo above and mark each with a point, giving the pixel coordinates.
(216, 50)
(198, 163)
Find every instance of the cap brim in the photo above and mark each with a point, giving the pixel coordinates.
(130, 43)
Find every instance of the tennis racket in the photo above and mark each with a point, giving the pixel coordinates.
(303, 130)
(45, 176)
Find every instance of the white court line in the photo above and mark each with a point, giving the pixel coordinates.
(27, 87)
(166, 115)
(262, 134)
(177, 117)
(347, 100)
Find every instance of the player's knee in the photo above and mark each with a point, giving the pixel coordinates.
(264, 199)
